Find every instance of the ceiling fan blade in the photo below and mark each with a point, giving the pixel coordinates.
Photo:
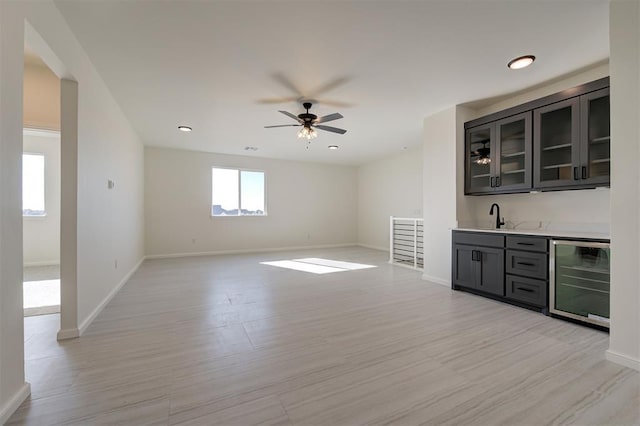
(333, 103)
(283, 125)
(286, 82)
(330, 117)
(295, 117)
(330, 85)
(330, 129)
(278, 100)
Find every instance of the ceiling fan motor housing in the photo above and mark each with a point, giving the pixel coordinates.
(307, 117)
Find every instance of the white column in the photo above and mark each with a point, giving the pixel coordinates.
(624, 27)
(13, 389)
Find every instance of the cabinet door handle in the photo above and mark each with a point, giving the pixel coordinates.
(525, 263)
(524, 244)
(497, 181)
(491, 182)
(528, 290)
(479, 256)
(575, 174)
(584, 172)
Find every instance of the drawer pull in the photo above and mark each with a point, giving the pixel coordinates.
(525, 244)
(525, 264)
(528, 290)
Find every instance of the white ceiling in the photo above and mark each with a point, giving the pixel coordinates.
(385, 65)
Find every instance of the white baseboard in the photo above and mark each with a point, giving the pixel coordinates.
(68, 333)
(43, 263)
(92, 316)
(436, 280)
(245, 251)
(14, 402)
(374, 247)
(622, 359)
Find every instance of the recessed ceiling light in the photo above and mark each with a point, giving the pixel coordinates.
(521, 62)
(185, 128)
(250, 148)
(333, 147)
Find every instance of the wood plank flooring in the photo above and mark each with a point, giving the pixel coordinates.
(226, 340)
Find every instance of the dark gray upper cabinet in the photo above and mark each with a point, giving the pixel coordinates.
(513, 153)
(558, 142)
(595, 133)
(480, 150)
(498, 156)
(572, 142)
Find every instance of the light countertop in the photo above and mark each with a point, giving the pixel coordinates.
(542, 233)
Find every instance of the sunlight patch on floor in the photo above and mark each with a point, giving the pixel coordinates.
(41, 297)
(317, 265)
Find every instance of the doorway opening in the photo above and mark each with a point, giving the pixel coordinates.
(41, 174)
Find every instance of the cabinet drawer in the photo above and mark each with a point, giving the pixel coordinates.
(472, 238)
(528, 290)
(527, 243)
(528, 264)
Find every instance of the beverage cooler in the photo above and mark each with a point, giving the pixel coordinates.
(580, 281)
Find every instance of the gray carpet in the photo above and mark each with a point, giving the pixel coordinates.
(41, 273)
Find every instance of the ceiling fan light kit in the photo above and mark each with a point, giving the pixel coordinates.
(310, 122)
(307, 133)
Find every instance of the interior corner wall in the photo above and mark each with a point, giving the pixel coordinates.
(41, 235)
(439, 193)
(624, 343)
(110, 222)
(308, 205)
(41, 98)
(391, 186)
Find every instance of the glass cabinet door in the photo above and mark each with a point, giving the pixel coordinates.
(595, 155)
(557, 144)
(582, 280)
(479, 157)
(513, 166)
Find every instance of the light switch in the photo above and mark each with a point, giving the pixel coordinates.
(111, 184)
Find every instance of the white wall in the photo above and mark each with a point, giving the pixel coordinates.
(443, 199)
(391, 186)
(625, 183)
(307, 204)
(110, 223)
(584, 209)
(41, 235)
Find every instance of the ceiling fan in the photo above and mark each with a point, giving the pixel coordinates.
(309, 122)
(483, 154)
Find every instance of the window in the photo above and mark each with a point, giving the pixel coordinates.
(237, 192)
(33, 185)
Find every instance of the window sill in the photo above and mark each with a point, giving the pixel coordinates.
(34, 216)
(243, 215)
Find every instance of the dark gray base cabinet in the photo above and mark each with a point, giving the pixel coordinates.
(478, 262)
(509, 268)
(479, 268)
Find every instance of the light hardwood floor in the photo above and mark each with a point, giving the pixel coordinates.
(225, 340)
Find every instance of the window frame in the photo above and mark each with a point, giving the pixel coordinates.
(240, 170)
(44, 185)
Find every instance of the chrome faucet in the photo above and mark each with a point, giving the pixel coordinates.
(499, 222)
